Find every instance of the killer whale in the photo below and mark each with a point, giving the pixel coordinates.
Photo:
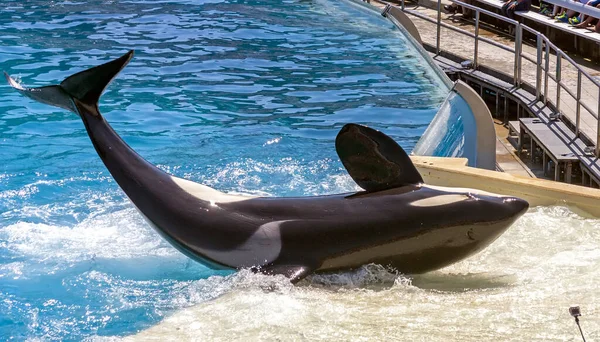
(397, 221)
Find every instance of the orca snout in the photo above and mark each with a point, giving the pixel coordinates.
(519, 206)
(501, 212)
(501, 208)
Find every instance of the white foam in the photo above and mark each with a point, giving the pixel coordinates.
(117, 235)
(16, 82)
(272, 141)
(21, 193)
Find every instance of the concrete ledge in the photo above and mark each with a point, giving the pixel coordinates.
(538, 192)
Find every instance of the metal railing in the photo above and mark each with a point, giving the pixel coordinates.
(544, 49)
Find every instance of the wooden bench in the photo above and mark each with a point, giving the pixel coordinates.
(576, 6)
(551, 23)
(590, 171)
(554, 139)
(492, 3)
(563, 147)
(514, 128)
(590, 164)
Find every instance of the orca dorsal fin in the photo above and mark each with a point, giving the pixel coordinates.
(374, 160)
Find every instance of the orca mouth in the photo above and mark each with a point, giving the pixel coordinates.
(483, 234)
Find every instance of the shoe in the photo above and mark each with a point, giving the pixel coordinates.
(563, 19)
(449, 9)
(574, 21)
(545, 11)
(559, 17)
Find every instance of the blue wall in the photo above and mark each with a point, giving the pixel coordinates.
(452, 133)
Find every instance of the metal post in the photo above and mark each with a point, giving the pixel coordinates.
(579, 326)
(538, 74)
(517, 63)
(598, 127)
(402, 5)
(497, 103)
(439, 27)
(558, 76)
(519, 39)
(505, 121)
(578, 110)
(386, 10)
(546, 71)
(476, 51)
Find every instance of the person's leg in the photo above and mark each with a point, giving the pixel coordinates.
(597, 27)
(585, 23)
(545, 9)
(510, 13)
(588, 19)
(503, 10)
(583, 20)
(575, 20)
(467, 13)
(560, 12)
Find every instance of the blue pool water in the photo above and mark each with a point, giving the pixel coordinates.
(244, 96)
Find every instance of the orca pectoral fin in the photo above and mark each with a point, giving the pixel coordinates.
(294, 272)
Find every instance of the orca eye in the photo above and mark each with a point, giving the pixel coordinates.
(440, 200)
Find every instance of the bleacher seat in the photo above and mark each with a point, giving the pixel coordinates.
(549, 22)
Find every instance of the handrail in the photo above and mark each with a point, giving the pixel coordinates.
(570, 60)
(467, 33)
(544, 48)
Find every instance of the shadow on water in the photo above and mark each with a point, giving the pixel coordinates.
(379, 278)
(462, 282)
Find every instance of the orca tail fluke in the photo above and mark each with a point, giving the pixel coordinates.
(53, 95)
(85, 86)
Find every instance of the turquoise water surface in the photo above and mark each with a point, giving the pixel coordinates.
(244, 96)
